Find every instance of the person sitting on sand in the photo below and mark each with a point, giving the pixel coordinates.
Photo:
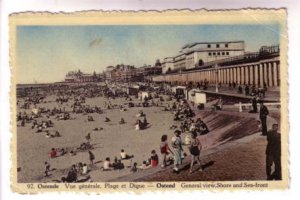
(71, 177)
(85, 146)
(140, 114)
(114, 164)
(84, 169)
(176, 116)
(203, 129)
(107, 164)
(134, 167)
(145, 122)
(122, 109)
(138, 125)
(48, 135)
(79, 167)
(50, 123)
(173, 126)
(124, 155)
(153, 159)
(52, 153)
(118, 165)
(62, 151)
(72, 153)
(145, 165)
(40, 129)
(122, 121)
(107, 119)
(57, 134)
(90, 118)
(23, 122)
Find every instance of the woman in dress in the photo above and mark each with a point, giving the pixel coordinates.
(177, 150)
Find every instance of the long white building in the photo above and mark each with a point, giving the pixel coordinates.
(194, 55)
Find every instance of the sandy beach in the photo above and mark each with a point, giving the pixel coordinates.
(33, 148)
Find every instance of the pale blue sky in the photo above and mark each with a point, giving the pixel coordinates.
(47, 53)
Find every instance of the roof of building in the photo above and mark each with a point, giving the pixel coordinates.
(189, 45)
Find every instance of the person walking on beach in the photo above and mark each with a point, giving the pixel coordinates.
(47, 170)
(177, 146)
(195, 149)
(91, 157)
(164, 150)
(273, 153)
(263, 113)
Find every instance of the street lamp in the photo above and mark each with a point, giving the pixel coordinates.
(217, 77)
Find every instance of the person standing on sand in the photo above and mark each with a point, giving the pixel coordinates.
(177, 146)
(88, 137)
(195, 149)
(91, 157)
(164, 150)
(273, 153)
(47, 170)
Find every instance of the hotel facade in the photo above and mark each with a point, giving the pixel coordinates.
(195, 55)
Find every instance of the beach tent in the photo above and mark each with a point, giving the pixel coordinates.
(180, 90)
(133, 90)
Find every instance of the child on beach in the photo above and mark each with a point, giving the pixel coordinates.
(153, 159)
(91, 157)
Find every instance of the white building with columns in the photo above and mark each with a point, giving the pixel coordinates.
(259, 69)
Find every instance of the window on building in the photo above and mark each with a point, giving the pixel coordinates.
(218, 53)
(208, 46)
(214, 53)
(217, 45)
(209, 54)
(226, 45)
(223, 53)
(227, 53)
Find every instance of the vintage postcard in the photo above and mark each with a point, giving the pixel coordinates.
(149, 101)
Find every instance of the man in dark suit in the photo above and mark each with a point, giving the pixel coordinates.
(273, 154)
(254, 105)
(263, 113)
